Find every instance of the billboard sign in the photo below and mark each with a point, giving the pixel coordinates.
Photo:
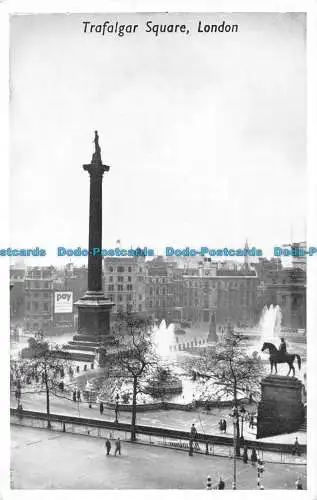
(63, 302)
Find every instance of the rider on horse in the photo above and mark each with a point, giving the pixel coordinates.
(282, 348)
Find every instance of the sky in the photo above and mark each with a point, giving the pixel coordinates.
(205, 133)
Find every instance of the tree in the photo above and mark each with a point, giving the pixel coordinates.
(134, 360)
(44, 364)
(228, 370)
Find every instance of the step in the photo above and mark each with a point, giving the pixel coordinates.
(81, 356)
(83, 348)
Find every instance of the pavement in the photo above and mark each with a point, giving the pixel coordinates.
(205, 422)
(42, 459)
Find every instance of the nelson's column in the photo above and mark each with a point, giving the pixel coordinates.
(94, 308)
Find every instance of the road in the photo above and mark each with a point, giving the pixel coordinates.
(41, 459)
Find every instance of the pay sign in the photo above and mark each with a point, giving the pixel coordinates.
(63, 302)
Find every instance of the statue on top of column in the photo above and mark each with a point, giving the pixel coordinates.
(97, 154)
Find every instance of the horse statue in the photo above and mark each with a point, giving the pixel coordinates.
(277, 357)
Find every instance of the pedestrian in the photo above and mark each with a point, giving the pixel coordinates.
(78, 396)
(245, 454)
(220, 425)
(251, 421)
(299, 484)
(224, 425)
(254, 457)
(118, 447)
(193, 431)
(221, 484)
(101, 408)
(108, 446)
(295, 450)
(74, 396)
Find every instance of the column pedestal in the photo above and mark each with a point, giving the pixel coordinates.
(94, 315)
(281, 409)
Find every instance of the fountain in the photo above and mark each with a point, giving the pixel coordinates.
(163, 338)
(164, 381)
(270, 323)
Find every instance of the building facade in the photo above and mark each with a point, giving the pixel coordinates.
(124, 283)
(160, 289)
(17, 294)
(39, 298)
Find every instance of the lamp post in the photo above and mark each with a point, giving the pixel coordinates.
(235, 416)
(116, 409)
(242, 414)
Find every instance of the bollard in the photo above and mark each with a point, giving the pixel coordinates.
(208, 484)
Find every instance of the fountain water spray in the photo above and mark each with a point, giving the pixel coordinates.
(163, 338)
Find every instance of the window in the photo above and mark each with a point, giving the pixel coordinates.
(129, 269)
(129, 287)
(164, 291)
(120, 298)
(151, 291)
(35, 306)
(120, 269)
(140, 307)
(45, 306)
(46, 295)
(110, 269)
(129, 298)
(140, 297)
(120, 288)
(120, 279)
(129, 278)
(111, 288)
(110, 279)
(150, 303)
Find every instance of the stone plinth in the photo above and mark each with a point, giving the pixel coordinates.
(281, 408)
(94, 314)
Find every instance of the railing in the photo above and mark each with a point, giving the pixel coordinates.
(204, 443)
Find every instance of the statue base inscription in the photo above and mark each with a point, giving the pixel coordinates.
(281, 409)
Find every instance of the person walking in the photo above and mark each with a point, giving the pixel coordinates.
(254, 457)
(101, 408)
(224, 425)
(245, 454)
(108, 446)
(193, 431)
(299, 484)
(221, 484)
(295, 450)
(117, 447)
(251, 421)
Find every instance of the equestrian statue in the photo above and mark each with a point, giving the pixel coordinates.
(281, 355)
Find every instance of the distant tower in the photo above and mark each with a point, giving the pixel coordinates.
(246, 257)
